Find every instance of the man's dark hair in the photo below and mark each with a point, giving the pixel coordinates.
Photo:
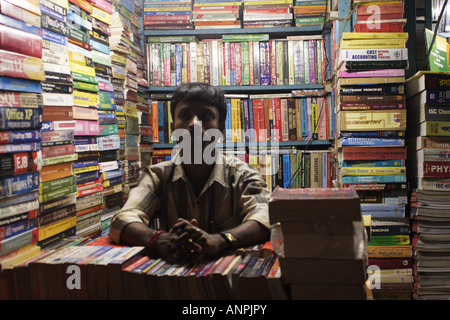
(200, 93)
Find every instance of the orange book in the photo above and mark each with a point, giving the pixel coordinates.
(56, 171)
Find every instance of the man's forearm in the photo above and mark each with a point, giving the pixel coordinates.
(249, 233)
(136, 234)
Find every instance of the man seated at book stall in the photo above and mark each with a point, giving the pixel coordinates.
(206, 202)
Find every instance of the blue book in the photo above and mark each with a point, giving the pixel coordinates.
(178, 63)
(250, 120)
(19, 184)
(375, 163)
(20, 118)
(304, 117)
(96, 45)
(17, 84)
(15, 229)
(383, 210)
(20, 25)
(87, 176)
(265, 63)
(286, 170)
(20, 136)
(54, 37)
(375, 179)
(372, 142)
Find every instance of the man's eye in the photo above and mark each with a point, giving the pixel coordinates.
(184, 116)
(206, 117)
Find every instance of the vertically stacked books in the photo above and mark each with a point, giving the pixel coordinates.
(325, 242)
(108, 130)
(258, 14)
(372, 154)
(86, 100)
(428, 175)
(127, 20)
(21, 73)
(168, 14)
(310, 13)
(216, 14)
(58, 187)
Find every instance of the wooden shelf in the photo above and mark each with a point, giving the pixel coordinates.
(205, 33)
(281, 144)
(249, 89)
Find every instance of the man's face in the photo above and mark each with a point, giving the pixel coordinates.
(201, 123)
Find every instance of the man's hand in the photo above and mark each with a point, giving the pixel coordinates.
(209, 244)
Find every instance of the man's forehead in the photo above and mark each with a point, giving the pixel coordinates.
(195, 105)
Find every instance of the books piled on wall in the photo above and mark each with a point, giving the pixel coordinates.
(168, 14)
(372, 153)
(250, 59)
(108, 138)
(310, 14)
(260, 14)
(216, 14)
(325, 242)
(21, 73)
(86, 100)
(58, 185)
(428, 175)
(113, 272)
(129, 50)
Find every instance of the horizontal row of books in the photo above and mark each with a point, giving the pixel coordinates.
(221, 14)
(372, 123)
(235, 60)
(112, 272)
(428, 175)
(262, 118)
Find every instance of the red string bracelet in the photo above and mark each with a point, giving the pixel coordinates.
(151, 247)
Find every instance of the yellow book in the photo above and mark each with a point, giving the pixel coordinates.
(85, 169)
(373, 43)
(373, 120)
(169, 120)
(77, 58)
(81, 98)
(372, 171)
(57, 227)
(375, 35)
(370, 80)
(101, 15)
(88, 71)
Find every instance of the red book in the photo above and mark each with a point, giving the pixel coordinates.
(381, 27)
(21, 42)
(436, 169)
(18, 65)
(375, 153)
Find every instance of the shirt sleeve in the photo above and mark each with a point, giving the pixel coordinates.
(254, 200)
(142, 203)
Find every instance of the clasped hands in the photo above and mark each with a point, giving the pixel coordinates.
(185, 242)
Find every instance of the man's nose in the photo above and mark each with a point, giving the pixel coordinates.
(195, 121)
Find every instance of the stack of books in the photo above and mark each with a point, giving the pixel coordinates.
(216, 14)
(86, 101)
(21, 73)
(428, 174)
(371, 121)
(262, 13)
(324, 240)
(58, 184)
(307, 13)
(108, 138)
(168, 14)
(129, 48)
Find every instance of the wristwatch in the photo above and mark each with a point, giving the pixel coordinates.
(229, 239)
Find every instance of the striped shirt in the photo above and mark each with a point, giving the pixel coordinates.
(235, 192)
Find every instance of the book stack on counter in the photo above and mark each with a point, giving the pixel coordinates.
(429, 178)
(371, 120)
(86, 100)
(108, 140)
(168, 15)
(324, 243)
(129, 50)
(259, 14)
(310, 13)
(21, 73)
(113, 272)
(216, 14)
(58, 186)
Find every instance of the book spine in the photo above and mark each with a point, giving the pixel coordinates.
(436, 169)
(369, 142)
(21, 240)
(375, 179)
(20, 162)
(386, 153)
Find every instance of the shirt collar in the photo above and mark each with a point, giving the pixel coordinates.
(218, 173)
